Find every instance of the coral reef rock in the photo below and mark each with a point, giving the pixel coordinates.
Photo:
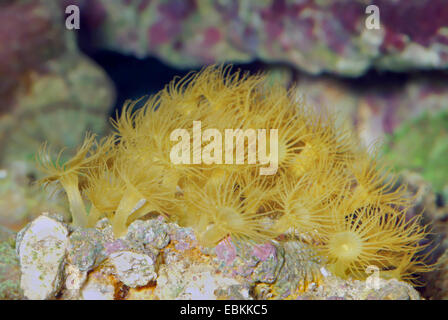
(41, 248)
(438, 280)
(315, 36)
(30, 36)
(379, 106)
(45, 80)
(160, 260)
(372, 289)
(133, 269)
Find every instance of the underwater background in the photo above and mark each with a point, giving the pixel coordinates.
(56, 83)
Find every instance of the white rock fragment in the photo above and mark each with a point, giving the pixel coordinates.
(74, 280)
(95, 291)
(191, 281)
(41, 249)
(98, 287)
(203, 286)
(133, 269)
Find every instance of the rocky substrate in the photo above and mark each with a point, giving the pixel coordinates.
(160, 260)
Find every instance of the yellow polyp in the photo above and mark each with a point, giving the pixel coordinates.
(360, 195)
(298, 217)
(282, 224)
(339, 269)
(216, 177)
(186, 109)
(304, 160)
(171, 181)
(346, 245)
(144, 207)
(77, 207)
(93, 217)
(211, 236)
(128, 204)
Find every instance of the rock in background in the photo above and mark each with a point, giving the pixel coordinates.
(314, 36)
(50, 92)
(21, 201)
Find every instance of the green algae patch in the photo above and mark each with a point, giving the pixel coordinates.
(421, 145)
(9, 273)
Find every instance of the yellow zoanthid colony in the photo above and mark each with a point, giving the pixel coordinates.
(327, 189)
